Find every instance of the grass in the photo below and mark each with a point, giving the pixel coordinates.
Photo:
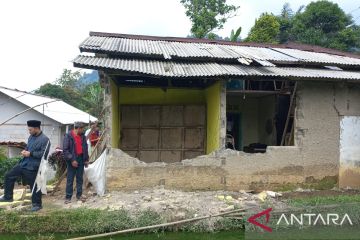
(93, 221)
(324, 200)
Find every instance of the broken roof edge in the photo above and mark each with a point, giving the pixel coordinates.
(219, 71)
(290, 45)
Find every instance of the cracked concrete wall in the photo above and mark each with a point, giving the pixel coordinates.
(313, 160)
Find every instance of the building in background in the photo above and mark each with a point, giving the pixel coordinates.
(55, 115)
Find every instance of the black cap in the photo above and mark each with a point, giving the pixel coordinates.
(33, 123)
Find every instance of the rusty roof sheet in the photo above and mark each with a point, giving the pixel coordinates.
(207, 69)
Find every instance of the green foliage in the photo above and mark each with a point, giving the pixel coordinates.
(324, 200)
(325, 24)
(93, 221)
(5, 165)
(94, 96)
(68, 79)
(207, 15)
(285, 21)
(234, 36)
(321, 23)
(265, 30)
(69, 95)
(70, 89)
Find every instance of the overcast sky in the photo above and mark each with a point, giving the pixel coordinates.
(39, 38)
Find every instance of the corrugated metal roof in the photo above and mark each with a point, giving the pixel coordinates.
(58, 111)
(314, 57)
(207, 69)
(175, 50)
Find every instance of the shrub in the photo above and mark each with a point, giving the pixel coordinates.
(6, 165)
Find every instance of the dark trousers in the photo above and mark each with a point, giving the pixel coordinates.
(71, 173)
(28, 177)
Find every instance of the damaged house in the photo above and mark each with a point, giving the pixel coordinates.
(202, 114)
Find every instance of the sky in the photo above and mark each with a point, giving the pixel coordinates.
(39, 38)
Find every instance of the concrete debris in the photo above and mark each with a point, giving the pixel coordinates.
(262, 196)
(174, 204)
(273, 194)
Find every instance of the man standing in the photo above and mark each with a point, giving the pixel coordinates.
(38, 145)
(76, 155)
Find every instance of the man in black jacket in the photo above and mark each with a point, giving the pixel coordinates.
(76, 155)
(37, 146)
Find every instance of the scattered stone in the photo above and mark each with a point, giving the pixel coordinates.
(221, 197)
(147, 198)
(228, 208)
(180, 215)
(262, 196)
(273, 194)
(229, 198)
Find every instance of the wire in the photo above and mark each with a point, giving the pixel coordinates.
(354, 10)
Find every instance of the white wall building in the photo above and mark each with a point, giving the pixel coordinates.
(55, 115)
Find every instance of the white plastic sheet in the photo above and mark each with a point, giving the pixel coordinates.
(41, 176)
(95, 173)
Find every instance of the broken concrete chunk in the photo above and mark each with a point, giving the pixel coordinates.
(147, 198)
(262, 196)
(221, 197)
(228, 208)
(273, 194)
(229, 198)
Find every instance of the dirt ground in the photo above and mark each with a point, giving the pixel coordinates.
(175, 203)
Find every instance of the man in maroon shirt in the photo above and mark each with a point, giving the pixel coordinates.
(76, 154)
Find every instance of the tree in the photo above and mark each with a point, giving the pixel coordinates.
(265, 30)
(207, 15)
(325, 24)
(67, 94)
(69, 78)
(77, 90)
(95, 97)
(234, 36)
(285, 21)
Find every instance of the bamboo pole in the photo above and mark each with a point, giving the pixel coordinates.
(59, 182)
(156, 226)
(288, 115)
(26, 111)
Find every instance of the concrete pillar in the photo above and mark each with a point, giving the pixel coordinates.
(105, 82)
(222, 128)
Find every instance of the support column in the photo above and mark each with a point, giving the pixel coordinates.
(222, 135)
(111, 100)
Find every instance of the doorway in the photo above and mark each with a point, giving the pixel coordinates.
(233, 131)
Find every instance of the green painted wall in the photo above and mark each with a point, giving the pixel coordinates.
(213, 117)
(115, 128)
(159, 96)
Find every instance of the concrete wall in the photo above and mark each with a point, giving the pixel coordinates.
(350, 152)
(313, 161)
